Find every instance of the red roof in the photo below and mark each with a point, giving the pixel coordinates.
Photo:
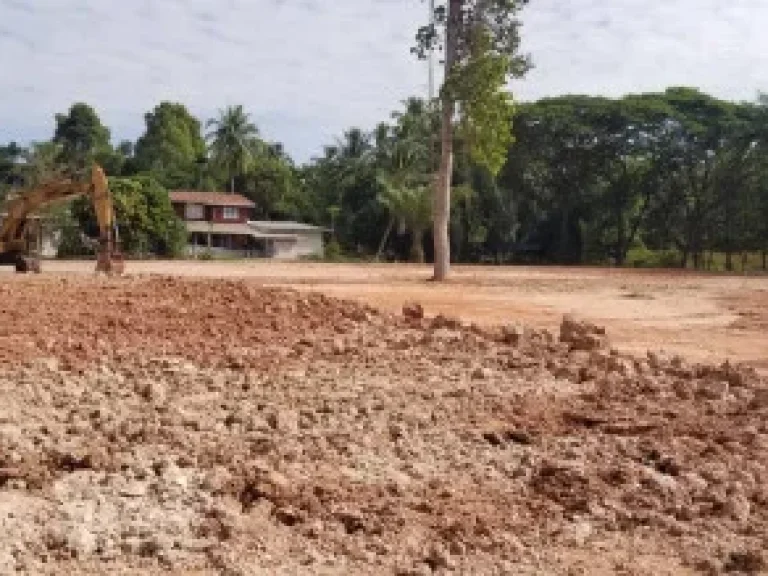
(209, 198)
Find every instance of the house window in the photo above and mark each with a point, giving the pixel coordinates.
(193, 212)
(231, 213)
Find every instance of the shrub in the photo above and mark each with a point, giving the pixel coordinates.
(642, 257)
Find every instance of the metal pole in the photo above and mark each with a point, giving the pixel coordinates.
(431, 60)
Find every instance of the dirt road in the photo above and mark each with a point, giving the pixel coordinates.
(703, 316)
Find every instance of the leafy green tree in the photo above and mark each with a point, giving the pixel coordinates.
(701, 130)
(272, 183)
(147, 223)
(557, 146)
(172, 146)
(42, 161)
(10, 171)
(481, 53)
(232, 138)
(82, 137)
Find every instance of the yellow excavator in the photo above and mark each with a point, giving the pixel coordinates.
(16, 228)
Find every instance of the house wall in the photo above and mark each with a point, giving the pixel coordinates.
(282, 249)
(217, 215)
(223, 245)
(214, 214)
(309, 244)
(306, 244)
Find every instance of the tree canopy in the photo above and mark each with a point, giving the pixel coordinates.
(172, 148)
(669, 178)
(82, 136)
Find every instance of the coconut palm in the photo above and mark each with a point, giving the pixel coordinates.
(411, 207)
(233, 141)
(403, 157)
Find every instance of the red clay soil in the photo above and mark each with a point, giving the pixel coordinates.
(161, 425)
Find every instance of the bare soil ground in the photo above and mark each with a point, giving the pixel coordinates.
(707, 317)
(170, 425)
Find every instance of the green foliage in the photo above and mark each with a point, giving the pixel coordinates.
(146, 221)
(273, 184)
(676, 178)
(71, 241)
(642, 257)
(233, 142)
(412, 208)
(172, 148)
(10, 156)
(333, 251)
(82, 137)
(477, 85)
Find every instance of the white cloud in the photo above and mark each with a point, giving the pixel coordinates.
(613, 47)
(307, 69)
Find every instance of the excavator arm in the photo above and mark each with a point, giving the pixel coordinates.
(13, 232)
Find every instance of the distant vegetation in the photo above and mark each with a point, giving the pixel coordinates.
(677, 178)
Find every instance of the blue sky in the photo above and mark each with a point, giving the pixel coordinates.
(308, 69)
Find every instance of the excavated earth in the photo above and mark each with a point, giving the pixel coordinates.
(177, 426)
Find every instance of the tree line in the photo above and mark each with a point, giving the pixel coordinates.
(669, 178)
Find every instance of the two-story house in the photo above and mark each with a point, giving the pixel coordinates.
(220, 223)
(215, 222)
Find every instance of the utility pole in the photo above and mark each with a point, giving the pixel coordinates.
(431, 59)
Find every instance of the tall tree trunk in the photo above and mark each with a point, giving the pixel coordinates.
(441, 205)
(232, 185)
(622, 246)
(728, 243)
(563, 244)
(417, 246)
(765, 259)
(384, 238)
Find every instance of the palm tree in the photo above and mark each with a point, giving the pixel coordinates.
(354, 145)
(233, 140)
(411, 207)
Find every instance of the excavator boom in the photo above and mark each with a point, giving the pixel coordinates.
(13, 232)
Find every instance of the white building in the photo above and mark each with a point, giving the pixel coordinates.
(290, 240)
(220, 224)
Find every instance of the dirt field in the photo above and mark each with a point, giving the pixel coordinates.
(706, 317)
(209, 424)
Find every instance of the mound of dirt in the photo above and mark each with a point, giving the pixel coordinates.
(157, 425)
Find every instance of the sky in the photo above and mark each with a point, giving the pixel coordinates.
(306, 70)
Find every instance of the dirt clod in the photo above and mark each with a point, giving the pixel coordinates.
(582, 335)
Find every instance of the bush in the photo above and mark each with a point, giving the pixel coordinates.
(146, 221)
(333, 251)
(642, 257)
